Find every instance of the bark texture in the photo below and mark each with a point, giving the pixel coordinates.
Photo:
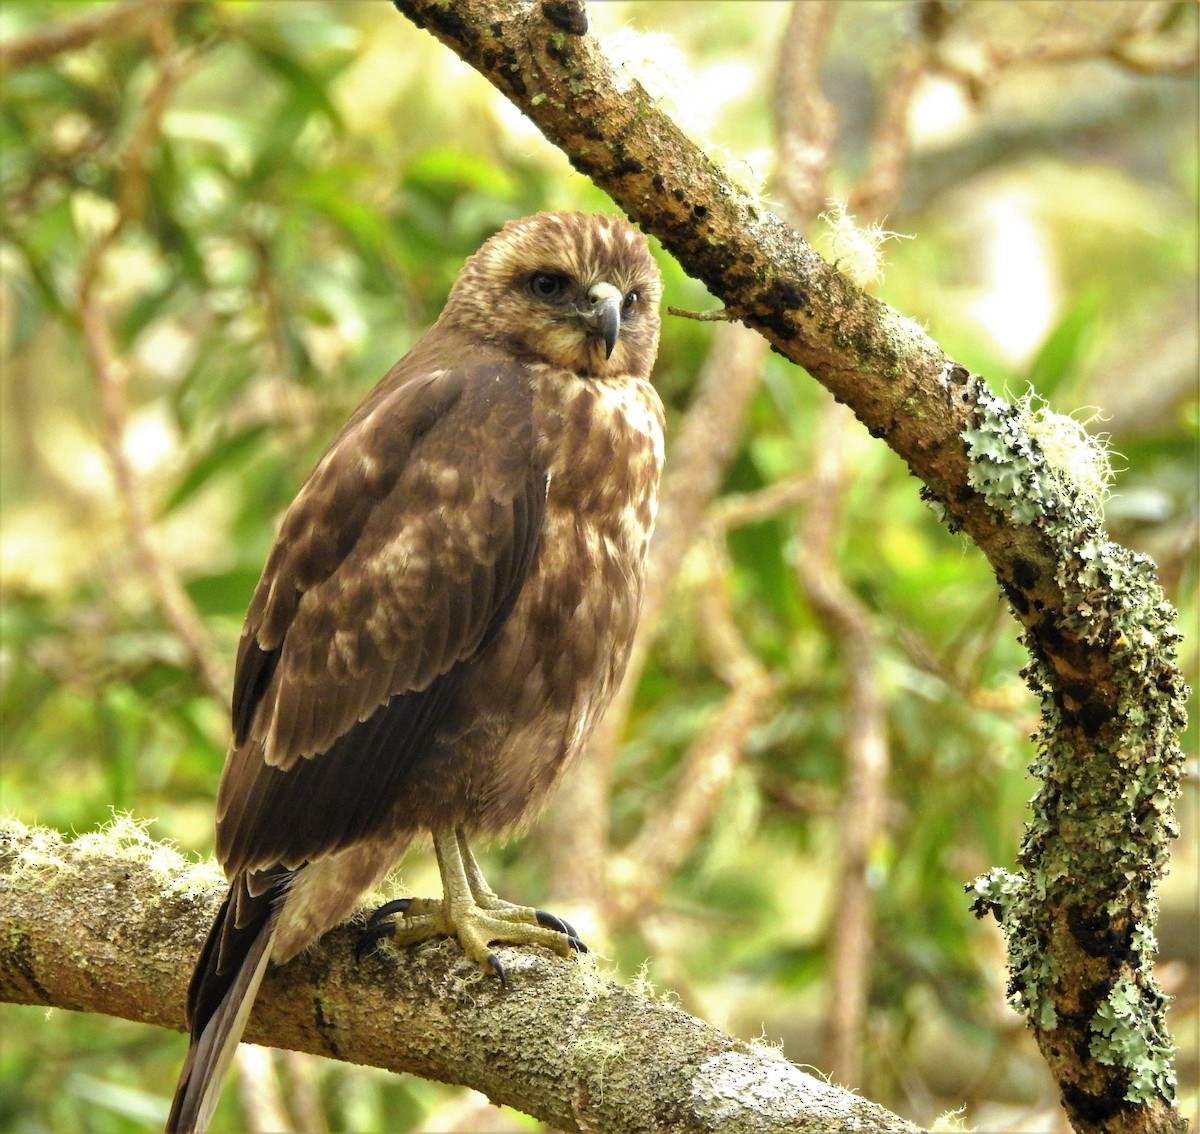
(1079, 912)
(111, 923)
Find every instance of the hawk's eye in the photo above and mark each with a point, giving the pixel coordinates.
(547, 286)
(630, 303)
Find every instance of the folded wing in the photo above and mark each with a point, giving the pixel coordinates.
(402, 555)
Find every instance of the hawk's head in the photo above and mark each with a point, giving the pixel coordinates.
(576, 291)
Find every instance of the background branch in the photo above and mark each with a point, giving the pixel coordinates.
(112, 373)
(853, 634)
(54, 38)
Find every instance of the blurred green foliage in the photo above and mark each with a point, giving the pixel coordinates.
(319, 174)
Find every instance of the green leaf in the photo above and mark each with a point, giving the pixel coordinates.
(222, 457)
(227, 593)
(307, 87)
(1062, 351)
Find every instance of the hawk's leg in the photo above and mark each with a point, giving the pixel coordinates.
(486, 898)
(470, 911)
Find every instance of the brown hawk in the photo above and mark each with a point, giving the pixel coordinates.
(446, 612)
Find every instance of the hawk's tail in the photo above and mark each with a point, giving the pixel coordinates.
(222, 992)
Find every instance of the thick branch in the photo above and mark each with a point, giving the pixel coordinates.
(1080, 915)
(100, 925)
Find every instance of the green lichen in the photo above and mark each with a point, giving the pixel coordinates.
(1101, 824)
(1104, 668)
(1034, 464)
(1123, 1036)
(1010, 897)
(1006, 468)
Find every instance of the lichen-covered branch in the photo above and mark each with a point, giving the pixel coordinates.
(1080, 914)
(100, 924)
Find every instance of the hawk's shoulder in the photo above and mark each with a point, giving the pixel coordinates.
(437, 468)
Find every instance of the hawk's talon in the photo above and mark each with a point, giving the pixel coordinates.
(380, 926)
(370, 938)
(561, 925)
(553, 921)
(497, 966)
(396, 905)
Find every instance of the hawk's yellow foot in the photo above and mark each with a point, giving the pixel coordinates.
(470, 911)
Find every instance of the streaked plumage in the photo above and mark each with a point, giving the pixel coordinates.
(447, 610)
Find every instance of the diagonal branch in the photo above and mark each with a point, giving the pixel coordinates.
(704, 446)
(112, 375)
(52, 39)
(99, 925)
(1080, 912)
(668, 836)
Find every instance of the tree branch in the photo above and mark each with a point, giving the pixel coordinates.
(100, 924)
(865, 752)
(1080, 913)
(668, 835)
(112, 375)
(52, 39)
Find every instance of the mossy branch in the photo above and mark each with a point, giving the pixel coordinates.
(111, 921)
(1080, 913)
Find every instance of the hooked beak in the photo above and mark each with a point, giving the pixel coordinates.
(603, 314)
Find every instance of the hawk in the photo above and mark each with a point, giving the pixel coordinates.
(446, 612)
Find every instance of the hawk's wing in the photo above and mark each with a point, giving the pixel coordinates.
(400, 557)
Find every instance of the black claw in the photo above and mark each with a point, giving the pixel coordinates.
(379, 926)
(561, 925)
(370, 938)
(396, 905)
(498, 969)
(551, 921)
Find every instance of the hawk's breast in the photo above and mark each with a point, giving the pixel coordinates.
(560, 656)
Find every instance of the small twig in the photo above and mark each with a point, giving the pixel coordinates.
(891, 140)
(719, 315)
(52, 39)
(1136, 43)
(762, 504)
(1157, 57)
